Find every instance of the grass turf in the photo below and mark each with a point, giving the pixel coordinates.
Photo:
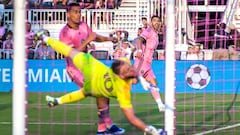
(195, 113)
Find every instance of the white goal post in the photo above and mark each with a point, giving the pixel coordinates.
(19, 72)
(170, 69)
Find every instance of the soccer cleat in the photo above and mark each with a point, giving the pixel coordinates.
(162, 132)
(116, 130)
(103, 133)
(51, 101)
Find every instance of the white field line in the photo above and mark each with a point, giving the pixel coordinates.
(218, 129)
(92, 124)
(88, 123)
(87, 104)
(65, 123)
(142, 104)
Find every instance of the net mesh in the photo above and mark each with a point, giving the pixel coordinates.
(202, 106)
(213, 108)
(81, 117)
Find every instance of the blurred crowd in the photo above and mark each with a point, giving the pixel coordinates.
(38, 49)
(6, 42)
(84, 4)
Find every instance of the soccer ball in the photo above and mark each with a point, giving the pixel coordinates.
(197, 76)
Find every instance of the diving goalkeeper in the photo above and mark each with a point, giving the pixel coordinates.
(102, 81)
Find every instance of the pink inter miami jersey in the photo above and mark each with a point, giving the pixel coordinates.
(74, 38)
(144, 66)
(151, 38)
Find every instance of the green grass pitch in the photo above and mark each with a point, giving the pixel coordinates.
(195, 113)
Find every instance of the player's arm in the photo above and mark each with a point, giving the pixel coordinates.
(139, 41)
(90, 6)
(100, 38)
(135, 121)
(91, 37)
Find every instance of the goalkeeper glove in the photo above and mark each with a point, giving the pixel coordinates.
(151, 130)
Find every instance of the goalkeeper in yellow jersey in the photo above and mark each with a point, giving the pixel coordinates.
(101, 81)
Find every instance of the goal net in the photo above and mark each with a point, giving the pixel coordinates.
(207, 90)
(207, 87)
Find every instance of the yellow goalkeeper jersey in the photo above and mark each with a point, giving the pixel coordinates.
(101, 81)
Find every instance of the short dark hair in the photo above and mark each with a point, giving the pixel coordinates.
(155, 16)
(116, 66)
(144, 18)
(9, 32)
(70, 5)
(27, 22)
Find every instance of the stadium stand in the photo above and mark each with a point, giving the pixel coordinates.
(128, 18)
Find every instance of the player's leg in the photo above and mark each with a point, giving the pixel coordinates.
(146, 71)
(64, 49)
(105, 123)
(76, 75)
(67, 98)
(150, 77)
(80, 59)
(57, 45)
(103, 111)
(153, 81)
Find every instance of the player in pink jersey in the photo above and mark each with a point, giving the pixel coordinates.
(78, 35)
(146, 44)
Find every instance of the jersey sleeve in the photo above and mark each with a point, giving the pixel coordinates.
(89, 30)
(146, 33)
(64, 36)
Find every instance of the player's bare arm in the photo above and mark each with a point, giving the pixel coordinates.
(100, 38)
(134, 120)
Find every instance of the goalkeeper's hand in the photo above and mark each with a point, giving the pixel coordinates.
(151, 130)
